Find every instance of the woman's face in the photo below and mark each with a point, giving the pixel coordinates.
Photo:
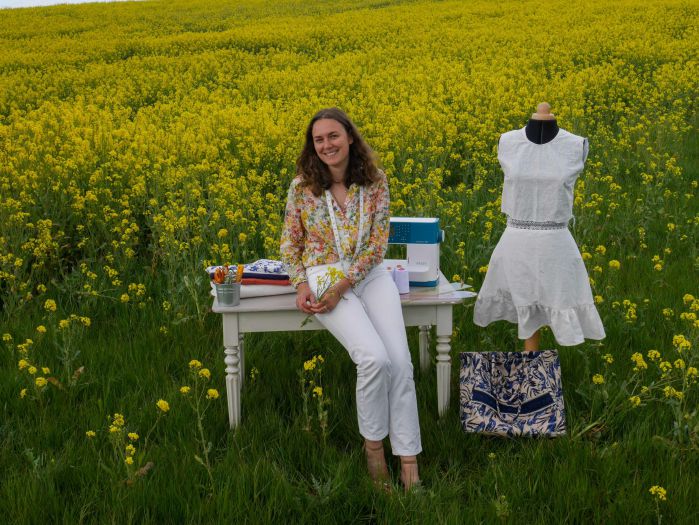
(331, 142)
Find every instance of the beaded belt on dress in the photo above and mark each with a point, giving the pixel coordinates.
(534, 225)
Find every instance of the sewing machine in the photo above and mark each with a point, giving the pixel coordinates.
(421, 237)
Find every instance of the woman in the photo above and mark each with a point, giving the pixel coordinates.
(337, 220)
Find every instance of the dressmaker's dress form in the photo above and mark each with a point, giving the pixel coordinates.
(536, 276)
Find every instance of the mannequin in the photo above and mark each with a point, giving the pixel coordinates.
(536, 276)
(540, 129)
(542, 126)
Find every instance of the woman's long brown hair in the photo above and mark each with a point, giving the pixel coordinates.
(361, 169)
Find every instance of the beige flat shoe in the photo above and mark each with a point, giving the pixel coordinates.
(376, 464)
(409, 475)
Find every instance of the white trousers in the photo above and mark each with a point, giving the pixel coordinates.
(368, 322)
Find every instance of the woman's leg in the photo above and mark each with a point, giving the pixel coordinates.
(382, 303)
(349, 323)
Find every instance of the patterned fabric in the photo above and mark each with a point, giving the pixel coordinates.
(267, 266)
(512, 393)
(308, 240)
(534, 225)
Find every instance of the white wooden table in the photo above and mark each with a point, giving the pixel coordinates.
(423, 307)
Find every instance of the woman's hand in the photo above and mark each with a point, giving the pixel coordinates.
(305, 300)
(330, 298)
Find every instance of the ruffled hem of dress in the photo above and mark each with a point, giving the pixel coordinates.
(570, 326)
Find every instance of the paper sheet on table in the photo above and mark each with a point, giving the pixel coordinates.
(260, 290)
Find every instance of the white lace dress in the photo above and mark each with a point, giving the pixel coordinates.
(536, 276)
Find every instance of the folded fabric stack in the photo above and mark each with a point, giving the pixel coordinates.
(265, 271)
(260, 278)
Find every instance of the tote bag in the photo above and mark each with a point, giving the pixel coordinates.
(512, 393)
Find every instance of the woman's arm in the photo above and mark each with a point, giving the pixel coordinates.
(292, 245)
(293, 236)
(372, 253)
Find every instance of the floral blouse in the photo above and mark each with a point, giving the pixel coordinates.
(308, 240)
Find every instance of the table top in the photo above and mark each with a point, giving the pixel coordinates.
(444, 293)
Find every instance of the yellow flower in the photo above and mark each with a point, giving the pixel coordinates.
(658, 267)
(635, 400)
(222, 233)
(63, 324)
(318, 391)
(50, 305)
(90, 434)
(22, 364)
(130, 450)
(658, 492)
(483, 269)
(133, 436)
(601, 250)
(242, 237)
(118, 420)
(667, 312)
(40, 382)
(687, 298)
(679, 363)
(124, 298)
(653, 355)
(672, 392)
(638, 360)
(23, 393)
(456, 278)
(205, 373)
(614, 264)
(45, 370)
(680, 342)
(163, 405)
(41, 329)
(113, 429)
(41, 288)
(85, 321)
(212, 393)
(195, 364)
(184, 390)
(128, 460)
(586, 256)
(309, 365)
(32, 370)
(608, 358)
(670, 227)
(599, 299)
(598, 379)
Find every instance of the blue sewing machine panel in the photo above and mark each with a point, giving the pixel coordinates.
(414, 230)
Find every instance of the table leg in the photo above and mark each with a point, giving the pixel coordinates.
(231, 344)
(444, 330)
(242, 360)
(424, 347)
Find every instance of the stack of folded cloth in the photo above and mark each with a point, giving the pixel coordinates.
(265, 271)
(261, 278)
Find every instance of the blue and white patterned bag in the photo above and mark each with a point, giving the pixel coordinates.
(512, 393)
